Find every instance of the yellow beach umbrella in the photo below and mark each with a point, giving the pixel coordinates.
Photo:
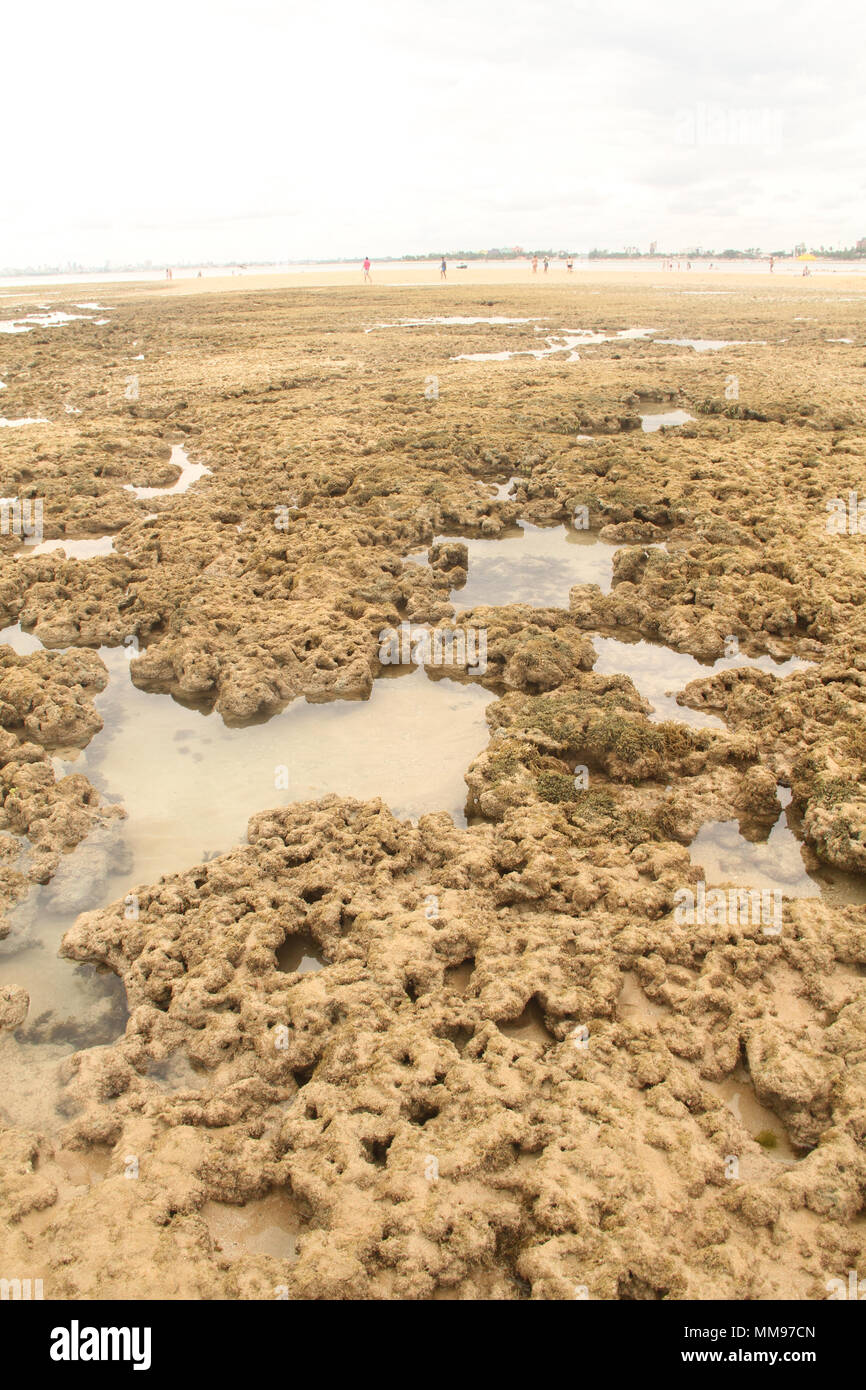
(807, 256)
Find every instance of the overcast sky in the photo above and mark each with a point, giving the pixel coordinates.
(217, 130)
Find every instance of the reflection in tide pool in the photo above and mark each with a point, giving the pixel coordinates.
(299, 954)
(534, 565)
(24, 643)
(659, 673)
(652, 420)
(729, 859)
(189, 783)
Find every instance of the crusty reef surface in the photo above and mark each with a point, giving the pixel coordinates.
(506, 1081)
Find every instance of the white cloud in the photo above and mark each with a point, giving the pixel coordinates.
(214, 129)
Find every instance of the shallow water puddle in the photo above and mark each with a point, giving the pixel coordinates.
(25, 420)
(24, 643)
(189, 784)
(707, 344)
(176, 1073)
(409, 743)
(71, 1005)
(728, 858)
(74, 550)
(533, 565)
(635, 1005)
(652, 420)
(79, 1171)
(738, 1093)
(459, 977)
(453, 320)
(85, 1167)
(300, 954)
(269, 1226)
(501, 492)
(529, 1026)
(658, 673)
(189, 474)
(633, 333)
(567, 340)
(53, 319)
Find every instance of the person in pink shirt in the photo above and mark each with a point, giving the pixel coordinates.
(367, 275)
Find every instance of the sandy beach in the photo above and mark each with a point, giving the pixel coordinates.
(724, 278)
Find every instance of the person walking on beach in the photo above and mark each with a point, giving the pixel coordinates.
(443, 269)
(772, 263)
(546, 264)
(534, 265)
(569, 265)
(367, 275)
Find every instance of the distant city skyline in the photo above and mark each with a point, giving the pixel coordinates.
(252, 130)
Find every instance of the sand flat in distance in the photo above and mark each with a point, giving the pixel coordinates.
(725, 277)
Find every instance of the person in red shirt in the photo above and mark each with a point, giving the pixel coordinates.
(367, 275)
